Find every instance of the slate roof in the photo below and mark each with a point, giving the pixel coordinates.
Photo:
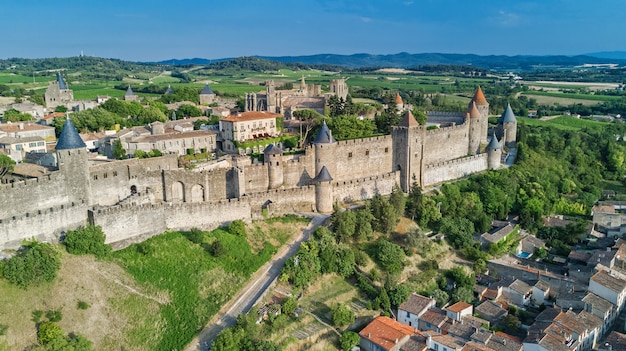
(507, 116)
(416, 304)
(206, 90)
(169, 90)
(69, 138)
(324, 136)
(129, 92)
(61, 81)
(408, 120)
(323, 176)
(493, 144)
(273, 150)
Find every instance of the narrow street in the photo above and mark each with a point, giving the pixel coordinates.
(254, 289)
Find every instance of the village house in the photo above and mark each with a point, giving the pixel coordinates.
(491, 311)
(609, 287)
(247, 126)
(410, 311)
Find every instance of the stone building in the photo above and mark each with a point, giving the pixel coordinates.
(246, 126)
(135, 198)
(130, 95)
(207, 96)
(58, 93)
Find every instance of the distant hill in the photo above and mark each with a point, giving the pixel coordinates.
(406, 60)
(619, 55)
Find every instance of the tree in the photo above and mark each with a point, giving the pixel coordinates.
(399, 295)
(14, 115)
(217, 249)
(151, 114)
(420, 116)
(140, 154)
(189, 111)
(60, 108)
(349, 340)
(309, 119)
(363, 228)
(33, 264)
(289, 305)
(384, 214)
(389, 255)
(342, 315)
(463, 293)
(48, 332)
(118, 150)
(397, 199)
(458, 231)
(6, 165)
(441, 297)
(414, 202)
(344, 224)
(87, 240)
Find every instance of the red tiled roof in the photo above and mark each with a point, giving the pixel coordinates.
(458, 307)
(479, 97)
(384, 331)
(398, 99)
(473, 110)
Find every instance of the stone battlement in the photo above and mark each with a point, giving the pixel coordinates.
(441, 114)
(44, 211)
(363, 140)
(288, 191)
(47, 178)
(390, 175)
(446, 129)
(456, 161)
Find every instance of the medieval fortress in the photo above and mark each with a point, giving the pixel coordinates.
(137, 198)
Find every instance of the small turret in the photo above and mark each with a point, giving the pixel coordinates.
(483, 107)
(399, 102)
(325, 145)
(323, 191)
(207, 96)
(475, 128)
(72, 161)
(169, 90)
(61, 82)
(507, 126)
(273, 157)
(130, 95)
(494, 153)
(408, 120)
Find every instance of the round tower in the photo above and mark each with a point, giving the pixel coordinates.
(72, 161)
(323, 191)
(507, 124)
(494, 153)
(475, 129)
(483, 107)
(273, 157)
(399, 102)
(325, 145)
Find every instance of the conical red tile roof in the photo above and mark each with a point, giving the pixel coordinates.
(473, 110)
(479, 97)
(398, 99)
(408, 120)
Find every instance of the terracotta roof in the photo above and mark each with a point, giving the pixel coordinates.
(251, 116)
(510, 337)
(384, 331)
(458, 307)
(448, 341)
(479, 97)
(598, 303)
(416, 304)
(415, 343)
(617, 341)
(474, 346)
(473, 110)
(434, 316)
(603, 209)
(398, 99)
(15, 127)
(408, 120)
(491, 310)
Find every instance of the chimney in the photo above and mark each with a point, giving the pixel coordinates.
(369, 335)
(21, 126)
(396, 340)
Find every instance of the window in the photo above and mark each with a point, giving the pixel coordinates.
(40, 143)
(427, 325)
(95, 177)
(386, 149)
(115, 173)
(105, 176)
(367, 152)
(18, 147)
(408, 314)
(349, 154)
(32, 144)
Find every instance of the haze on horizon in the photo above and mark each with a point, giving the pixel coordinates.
(154, 30)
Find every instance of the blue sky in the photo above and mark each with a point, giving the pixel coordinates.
(152, 30)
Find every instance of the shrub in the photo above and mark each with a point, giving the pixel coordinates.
(342, 315)
(289, 306)
(48, 332)
(217, 249)
(3, 329)
(237, 227)
(35, 263)
(37, 314)
(54, 315)
(82, 305)
(87, 240)
(195, 235)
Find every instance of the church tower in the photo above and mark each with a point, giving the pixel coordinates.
(72, 161)
(407, 140)
(483, 107)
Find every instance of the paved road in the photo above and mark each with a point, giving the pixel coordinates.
(256, 287)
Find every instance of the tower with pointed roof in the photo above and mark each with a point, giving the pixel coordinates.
(408, 149)
(483, 107)
(399, 103)
(207, 96)
(507, 126)
(323, 191)
(169, 90)
(58, 93)
(475, 120)
(494, 153)
(325, 145)
(130, 95)
(273, 157)
(72, 161)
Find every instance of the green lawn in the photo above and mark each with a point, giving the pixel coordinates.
(563, 123)
(574, 96)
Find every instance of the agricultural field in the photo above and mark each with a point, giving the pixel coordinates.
(573, 96)
(156, 295)
(556, 100)
(563, 123)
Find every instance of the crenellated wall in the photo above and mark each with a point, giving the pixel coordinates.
(33, 194)
(256, 178)
(298, 171)
(364, 188)
(360, 158)
(45, 224)
(445, 143)
(454, 169)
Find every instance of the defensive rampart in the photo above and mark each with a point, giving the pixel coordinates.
(364, 188)
(461, 167)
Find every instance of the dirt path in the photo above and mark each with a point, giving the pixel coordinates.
(160, 301)
(256, 287)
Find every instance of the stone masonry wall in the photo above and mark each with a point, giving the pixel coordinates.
(445, 144)
(444, 171)
(361, 158)
(364, 188)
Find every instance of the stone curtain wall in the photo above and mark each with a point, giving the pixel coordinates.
(360, 158)
(445, 143)
(364, 188)
(42, 225)
(444, 171)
